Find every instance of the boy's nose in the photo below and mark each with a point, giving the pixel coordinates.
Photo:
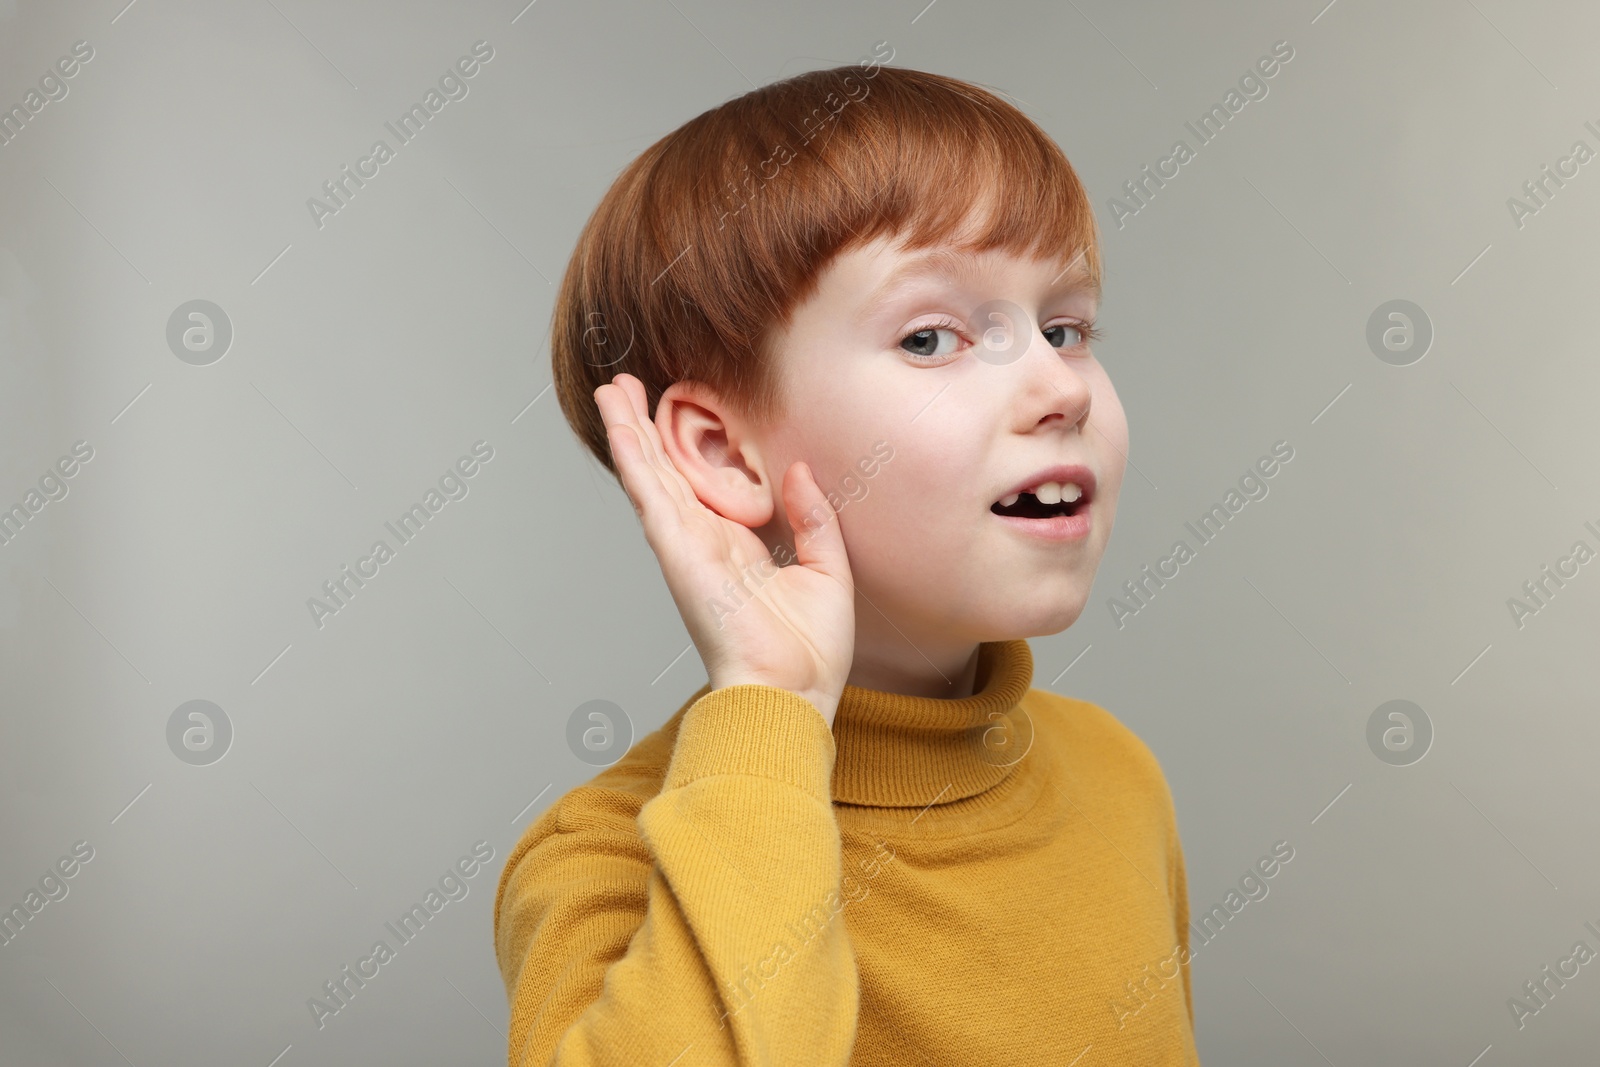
(1054, 387)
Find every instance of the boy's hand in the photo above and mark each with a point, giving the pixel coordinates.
(796, 626)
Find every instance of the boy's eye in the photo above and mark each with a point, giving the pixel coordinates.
(925, 344)
(1071, 334)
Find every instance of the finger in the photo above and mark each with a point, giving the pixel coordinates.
(650, 437)
(641, 479)
(620, 405)
(818, 540)
(639, 405)
(660, 496)
(633, 469)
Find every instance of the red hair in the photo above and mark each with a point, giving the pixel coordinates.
(707, 242)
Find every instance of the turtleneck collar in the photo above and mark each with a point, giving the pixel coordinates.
(893, 750)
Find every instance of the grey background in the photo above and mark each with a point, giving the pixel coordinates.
(431, 712)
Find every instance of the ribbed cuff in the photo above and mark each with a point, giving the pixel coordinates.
(754, 729)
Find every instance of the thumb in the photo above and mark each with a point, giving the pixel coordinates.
(818, 540)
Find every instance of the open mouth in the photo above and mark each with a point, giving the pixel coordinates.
(1056, 500)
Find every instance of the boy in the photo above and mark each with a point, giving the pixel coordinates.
(881, 456)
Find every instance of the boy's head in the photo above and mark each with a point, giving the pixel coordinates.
(756, 269)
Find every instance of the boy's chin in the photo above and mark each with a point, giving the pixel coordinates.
(1040, 620)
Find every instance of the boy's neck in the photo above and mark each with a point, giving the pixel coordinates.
(893, 664)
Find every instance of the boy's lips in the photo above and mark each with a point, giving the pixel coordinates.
(1076, 473)
(1062, 522)
(1074, 527)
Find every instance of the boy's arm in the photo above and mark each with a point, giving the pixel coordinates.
(1180, 903)
(711, 931)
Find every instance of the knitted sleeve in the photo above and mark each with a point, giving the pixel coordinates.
(1180, 917)
(681, 937)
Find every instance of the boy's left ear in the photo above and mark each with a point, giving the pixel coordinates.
(709, 444)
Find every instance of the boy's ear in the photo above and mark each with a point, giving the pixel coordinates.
(710, 444)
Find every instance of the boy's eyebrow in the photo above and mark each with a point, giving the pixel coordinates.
(935, 263)
(958, 267)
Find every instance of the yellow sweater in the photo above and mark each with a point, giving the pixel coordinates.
(991, 880)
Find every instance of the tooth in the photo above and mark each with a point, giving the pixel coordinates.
(1070, 492)
(1009, 499)
(1048, 492)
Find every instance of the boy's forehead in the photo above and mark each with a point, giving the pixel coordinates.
(893, 270)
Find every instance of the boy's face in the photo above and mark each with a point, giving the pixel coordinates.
(917, 408)
(969, 417)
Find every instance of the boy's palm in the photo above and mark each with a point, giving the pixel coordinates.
(791, 627)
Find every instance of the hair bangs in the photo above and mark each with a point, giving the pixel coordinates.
(704, 246)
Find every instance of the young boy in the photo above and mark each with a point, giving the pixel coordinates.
(833, 338)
